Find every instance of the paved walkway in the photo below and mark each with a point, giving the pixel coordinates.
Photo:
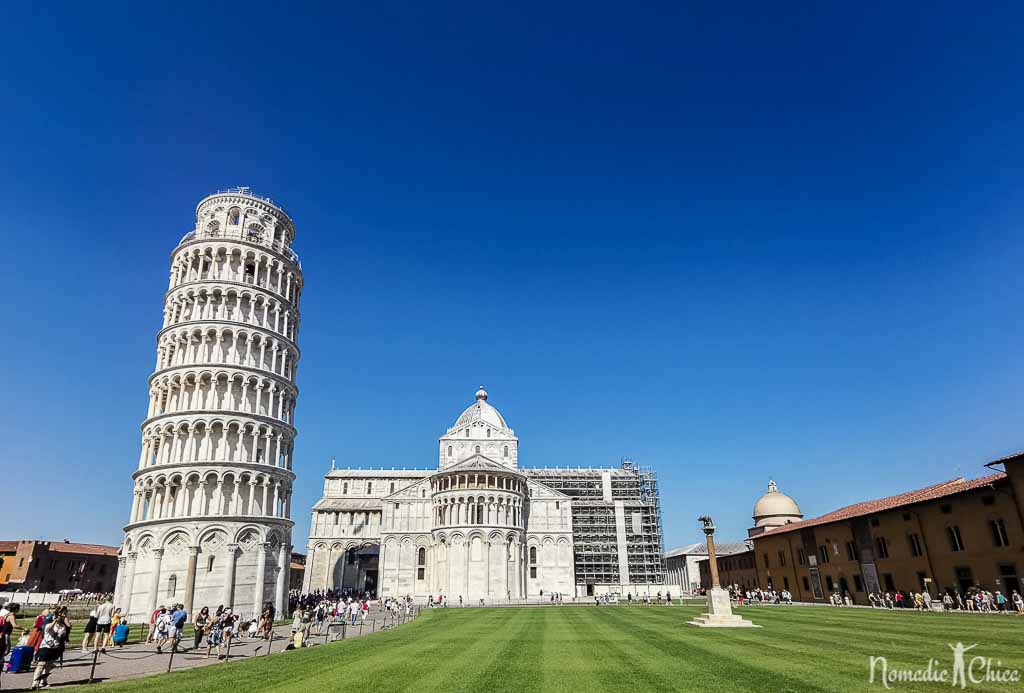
(137, 660)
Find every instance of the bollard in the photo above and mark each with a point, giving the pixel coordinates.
(343, 627)
(360, 627)
(92, 670)
(174, 648)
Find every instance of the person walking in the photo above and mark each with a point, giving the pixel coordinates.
(90, 631)
(8, 622)
(163, 629)
(104, 617)
(50, 648)
(200, 624)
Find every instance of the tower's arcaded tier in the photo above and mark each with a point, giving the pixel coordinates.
(210, 522)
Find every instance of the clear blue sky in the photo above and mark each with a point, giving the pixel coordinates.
(730, 243)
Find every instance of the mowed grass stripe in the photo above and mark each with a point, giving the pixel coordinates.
(596, 649)
(725, 662)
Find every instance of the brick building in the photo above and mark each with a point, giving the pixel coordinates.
(949, 536)
(46, 566)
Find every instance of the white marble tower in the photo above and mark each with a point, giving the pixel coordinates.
(210, 522)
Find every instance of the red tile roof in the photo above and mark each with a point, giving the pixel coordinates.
(63, 547)
(93, 549)
(940, 490)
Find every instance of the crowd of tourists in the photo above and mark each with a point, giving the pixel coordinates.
(759, 596)
(976, 599)
(44, 644)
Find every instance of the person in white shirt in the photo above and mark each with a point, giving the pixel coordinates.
(104, 616)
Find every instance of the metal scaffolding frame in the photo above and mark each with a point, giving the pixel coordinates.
(595, 540)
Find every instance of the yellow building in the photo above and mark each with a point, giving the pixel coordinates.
(949, 536)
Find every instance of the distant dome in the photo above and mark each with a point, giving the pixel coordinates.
(775, 509)
(481, 411)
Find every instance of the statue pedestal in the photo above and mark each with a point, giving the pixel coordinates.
(720, 613)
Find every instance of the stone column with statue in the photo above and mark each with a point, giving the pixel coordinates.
(719, 614)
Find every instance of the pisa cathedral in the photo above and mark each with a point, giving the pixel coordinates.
(210, 520)
(482, 527)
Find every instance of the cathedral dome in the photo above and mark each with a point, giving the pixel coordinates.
(481, 411)
(775, 509)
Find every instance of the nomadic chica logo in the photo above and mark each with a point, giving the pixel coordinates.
(963, 672)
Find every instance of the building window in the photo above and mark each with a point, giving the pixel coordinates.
(421, 563)
(449, 451)
(988, 500)
(999, 535)
(392, 487)
(488, 433)
(766, 563)
(782, 559)
(369, 488)
(906, 517)
(209, 564)
(956, 542)
(467, 433)
(807, 584)
(882, 546)
(874, 521)
(478, 449)
(396, 506)
(785, 583)
(890, 586)
(801, 557)
(851, 551)
(533, 561)
(172, 585)
(945, 508)
(829, 585)
(823, 553)
(344, 488)
(916, 548)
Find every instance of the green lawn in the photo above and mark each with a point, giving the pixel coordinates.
(620, 648)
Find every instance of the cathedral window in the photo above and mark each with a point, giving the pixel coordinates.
(421, 563)
(478, 449)
(467, 433)
(209, 564)
(172, 585)
(533, 561)
(449, 451)
(488, 433)
(505, 454)
(344, 488)
(392, 487)
(479, 514)
(369, 488)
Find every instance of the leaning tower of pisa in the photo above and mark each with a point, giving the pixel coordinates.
(210, 522)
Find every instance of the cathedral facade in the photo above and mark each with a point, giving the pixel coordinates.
(479, 526)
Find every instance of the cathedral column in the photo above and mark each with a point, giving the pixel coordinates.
(229, 576)
(190, 577)
(154, 583)
(259, 589)
(329, 569)
(283, 579)
(129, 585)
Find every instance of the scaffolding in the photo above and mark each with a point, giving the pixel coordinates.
(596, 540)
